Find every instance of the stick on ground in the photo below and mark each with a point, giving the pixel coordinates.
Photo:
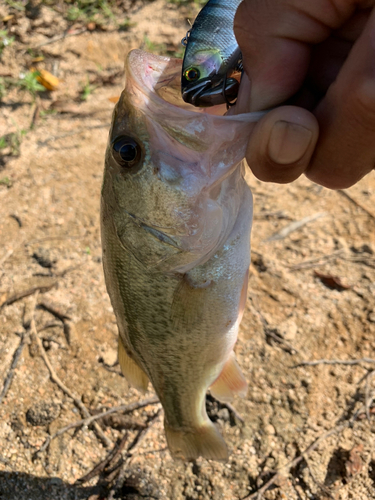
(13, 366)
(25, 293)
(294, 226)
(89, 420)
(348, 362)
(107, 442)
(17, 355)
(112, 456)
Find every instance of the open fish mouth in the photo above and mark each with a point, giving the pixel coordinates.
(159, 79)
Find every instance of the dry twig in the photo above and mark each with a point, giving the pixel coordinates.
(13, 366)
(112, 456)
(107, 442)
(318, 261)
(349, 362)
(369, 396)
(6, 256)
(366, 411)
(25, 293)
(294, 226)
(89, 420)
(131, 453)
(16, 357)
(272, 332)
(355, 202)
(233, 410)
(64, 318)
(280, 472)
(57, 38)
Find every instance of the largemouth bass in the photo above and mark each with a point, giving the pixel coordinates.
(211, 56)
(175, 219)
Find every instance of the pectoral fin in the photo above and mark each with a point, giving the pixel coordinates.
(230, 381)
(132, 372)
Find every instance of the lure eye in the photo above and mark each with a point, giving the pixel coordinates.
(126, 151)
(192, 74)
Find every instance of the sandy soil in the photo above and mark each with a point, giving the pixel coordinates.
(311, 297)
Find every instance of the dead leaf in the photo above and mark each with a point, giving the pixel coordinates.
(47, 79)
(354, 464)
(330, 281)
(114, 99)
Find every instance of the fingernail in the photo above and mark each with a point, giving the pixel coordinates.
(288, 142)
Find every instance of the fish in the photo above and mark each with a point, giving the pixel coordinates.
(212, 54)
(176, 218)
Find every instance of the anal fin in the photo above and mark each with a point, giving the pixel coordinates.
(130, 369)
(230, 381)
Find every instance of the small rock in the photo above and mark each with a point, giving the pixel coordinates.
(109, 356)
(223, 414)
(371, 316)
(43, 258)
(42, 413)
(270, 430)
(288, 329)
(362, 249)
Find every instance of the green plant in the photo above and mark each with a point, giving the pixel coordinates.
(89, 10)
(154, 47)
(29, 83)
(2, 88)
(5, 40)
(15, 5)
(87, 90)
(5, 181)
(126, 25)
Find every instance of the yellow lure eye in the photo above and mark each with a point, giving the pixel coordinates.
(192, 74)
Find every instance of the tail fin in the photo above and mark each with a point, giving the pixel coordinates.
(206, 441)
(132, 372)
(230, 381)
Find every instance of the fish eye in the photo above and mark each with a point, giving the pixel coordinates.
(126, 151)
(192, 74)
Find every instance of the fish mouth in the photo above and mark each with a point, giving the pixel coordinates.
(157, 81)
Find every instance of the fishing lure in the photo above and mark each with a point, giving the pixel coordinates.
(212, 56)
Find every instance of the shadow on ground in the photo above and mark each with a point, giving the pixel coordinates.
(14, 485)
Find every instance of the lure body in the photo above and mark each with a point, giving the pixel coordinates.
(212, 54)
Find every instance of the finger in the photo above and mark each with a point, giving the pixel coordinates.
(276, 36)
(282, 143)
(346, 150)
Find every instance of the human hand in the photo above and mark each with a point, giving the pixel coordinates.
(321, 53)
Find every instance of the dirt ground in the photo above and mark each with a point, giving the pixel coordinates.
(311, 297)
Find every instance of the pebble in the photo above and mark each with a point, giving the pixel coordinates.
(42, 413)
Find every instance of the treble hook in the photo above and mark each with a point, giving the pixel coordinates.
(228, 103)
